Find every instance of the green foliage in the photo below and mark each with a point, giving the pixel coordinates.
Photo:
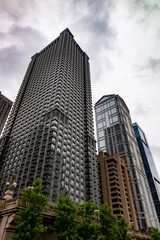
(87, 226)
(65, 226)
(34, 203)
(123, 229)
(143, 229)
(108, 223)
(83, 222)
(110, 227)
(155, 233)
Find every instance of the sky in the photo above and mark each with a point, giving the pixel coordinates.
(122, 39)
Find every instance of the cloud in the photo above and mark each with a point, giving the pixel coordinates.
(148, 4)
(96, 35)
(154, 64)
(141, 109)
(156, 149)
(15, 12)
(9, 59)
(15, 55)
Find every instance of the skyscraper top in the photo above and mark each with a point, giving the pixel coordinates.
(65, 31)
(106, 97)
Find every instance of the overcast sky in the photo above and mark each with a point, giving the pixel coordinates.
(122, 39)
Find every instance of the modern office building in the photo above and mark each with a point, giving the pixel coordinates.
(115, 134)
(149, 165)
(116, 190)
(5, 106)
(50, 130)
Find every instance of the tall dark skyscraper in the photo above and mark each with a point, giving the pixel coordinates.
(149, 165)
(5, 106)
(50, 130)
(115, 134)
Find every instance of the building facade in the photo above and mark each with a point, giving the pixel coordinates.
(115, 134)
(5, 106)
(149, 165)
(116, 190)
(50, 130)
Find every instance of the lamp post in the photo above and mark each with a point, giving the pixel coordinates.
(11, 185)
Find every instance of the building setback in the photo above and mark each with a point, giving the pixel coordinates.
(115, 134)
(149, 165)
(116, 189)
(5, 106)
(50, 130)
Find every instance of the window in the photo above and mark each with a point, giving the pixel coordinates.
(116, 127)
(101, 133)
(120, 148)
(117, 212)
(115, 119)
(100, 116)
(102, 143)
(112, 103)
(54, 189)
(118, 137)
(98, 109)
(113, 110)
(58, 150)
(55, 179)
(117, 206)
(100, 125)
(52, 146)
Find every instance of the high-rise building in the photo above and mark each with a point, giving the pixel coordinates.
(149, 165)
(5, 106)
(116, 190)
(115, 134)
(50, 130)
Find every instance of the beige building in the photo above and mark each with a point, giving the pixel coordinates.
(5, 106)
(116, 189)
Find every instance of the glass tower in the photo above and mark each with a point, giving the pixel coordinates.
(149, 165)
(115, 134)
(50, 130)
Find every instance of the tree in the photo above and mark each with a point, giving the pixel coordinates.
(34, 203)
(83, 222)
(108, 224)
(110, 227)
(123, 230)
(155, 233)
(65, 226)
(87, 224)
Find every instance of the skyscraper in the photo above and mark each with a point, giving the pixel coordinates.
(50, 130)
(5, 106)
(149, 165)
(115, 134)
